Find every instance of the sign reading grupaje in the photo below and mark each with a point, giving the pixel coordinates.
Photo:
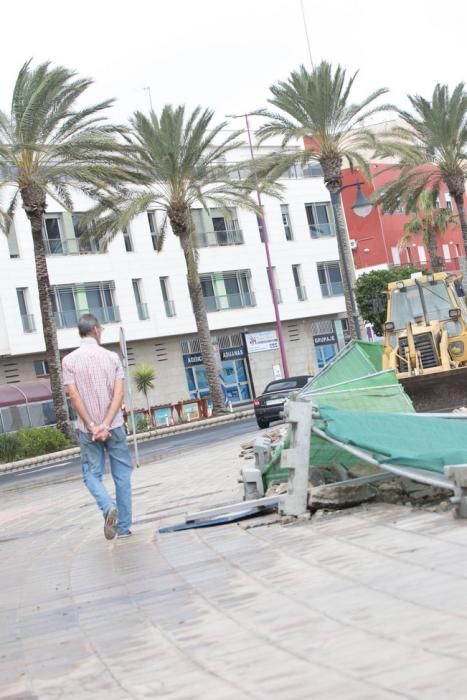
(325, 339)
(261, 341)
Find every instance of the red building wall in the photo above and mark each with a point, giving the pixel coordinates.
(378, 233)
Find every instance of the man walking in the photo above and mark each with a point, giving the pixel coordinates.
(94, 379)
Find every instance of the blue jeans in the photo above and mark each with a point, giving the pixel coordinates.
(92, 465)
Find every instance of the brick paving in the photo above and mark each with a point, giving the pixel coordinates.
(367, 603)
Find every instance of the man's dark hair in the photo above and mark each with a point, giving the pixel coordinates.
(86, 323)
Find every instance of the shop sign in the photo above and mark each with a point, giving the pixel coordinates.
(325, 339)
(232, 353)
(261, 341)
(195, 358)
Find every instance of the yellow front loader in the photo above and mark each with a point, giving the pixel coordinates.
(425, 340)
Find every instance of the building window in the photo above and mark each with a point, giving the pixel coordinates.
(320, 219)
(227, 290)
(276, 284)
(298, 281)
(27, 319)
(157, 235)
(330, 279)
(286, 222)
(447, 199)
(12, 241)
(166, 296)
(69, 302)
(260, 222)
(127, 239)
(142, 308)
(216, 227)
(421, 254)
(81, 244)
(396, 258)
(41, 368)
(52, 235)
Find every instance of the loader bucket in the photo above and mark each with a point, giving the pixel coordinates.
(441, 391)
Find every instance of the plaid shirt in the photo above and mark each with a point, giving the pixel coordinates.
(94, 370)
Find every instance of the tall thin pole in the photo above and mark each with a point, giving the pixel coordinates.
(306, 33)
(272, 283)
(148, 90)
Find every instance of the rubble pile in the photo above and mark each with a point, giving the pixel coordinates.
(276, 435)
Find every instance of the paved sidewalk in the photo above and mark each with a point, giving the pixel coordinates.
(365, 604)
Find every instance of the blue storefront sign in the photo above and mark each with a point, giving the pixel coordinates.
(232, 353)
(195, 358)
(325, 339)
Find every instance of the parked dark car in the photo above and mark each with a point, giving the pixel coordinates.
(269, 405)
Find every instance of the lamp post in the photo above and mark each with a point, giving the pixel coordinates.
(270, 273)
(361, 207)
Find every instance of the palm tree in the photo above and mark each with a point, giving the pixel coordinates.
(181, 159)
(144, 376)
(430, 222)
(316, 107)
(430, 147)
(49, 146)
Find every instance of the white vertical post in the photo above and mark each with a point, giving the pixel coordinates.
(130, 393)
(297, 458)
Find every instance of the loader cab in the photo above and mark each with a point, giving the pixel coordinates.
(426, 325)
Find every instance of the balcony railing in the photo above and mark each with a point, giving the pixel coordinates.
(322, 230)
(331, 289)
(28, 323)
(71, 246)
(213, 238)
(143, 311)
(230, 301)
(169, 307)
(69, 319)
(301, 293)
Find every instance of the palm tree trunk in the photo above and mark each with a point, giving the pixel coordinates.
(458, 197)
(34, 203)
(347, 267)
(435, 259)
(178, 221)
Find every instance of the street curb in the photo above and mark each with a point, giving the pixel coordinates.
(140, 437)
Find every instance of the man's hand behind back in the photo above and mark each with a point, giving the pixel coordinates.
(100, 433)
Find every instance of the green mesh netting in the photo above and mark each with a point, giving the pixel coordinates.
(423, 442)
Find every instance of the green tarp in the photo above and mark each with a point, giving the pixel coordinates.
(357, 359)
(353, 380)
(411, 440)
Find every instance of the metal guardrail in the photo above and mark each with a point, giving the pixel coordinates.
(205, 239)
(169, 307)
(69, 319)
(322, 230)
(228, 302)
(71, 246)
(29, 325)
(143, 311)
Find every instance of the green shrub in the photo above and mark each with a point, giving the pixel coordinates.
(31, 442)
(9, 447)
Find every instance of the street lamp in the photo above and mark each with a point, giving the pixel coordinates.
(272, 283)
(362, 207)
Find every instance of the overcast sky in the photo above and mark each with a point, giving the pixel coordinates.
(226, 53)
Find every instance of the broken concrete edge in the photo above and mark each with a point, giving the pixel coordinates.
(140, 437)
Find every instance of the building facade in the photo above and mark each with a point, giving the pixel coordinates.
(375, 238)
(137, 285)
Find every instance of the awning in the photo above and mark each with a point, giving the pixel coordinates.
(25, 392)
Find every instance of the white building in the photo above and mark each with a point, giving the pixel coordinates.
(145, 291)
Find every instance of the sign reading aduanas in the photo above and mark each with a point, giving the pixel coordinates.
(261, 341)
